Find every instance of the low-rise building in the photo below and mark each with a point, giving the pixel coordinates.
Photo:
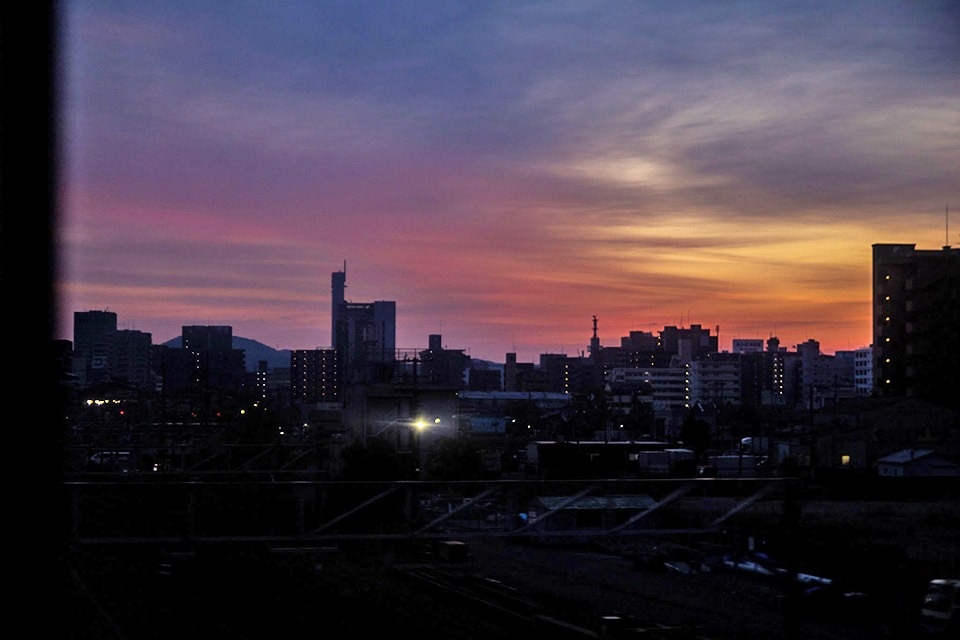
(917, 463)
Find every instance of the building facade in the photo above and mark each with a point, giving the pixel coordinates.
(314, 376)
(863, 371)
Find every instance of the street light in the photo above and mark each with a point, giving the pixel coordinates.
(419, 425)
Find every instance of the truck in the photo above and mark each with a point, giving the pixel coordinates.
(755, 445)
(732, 466)
(661, 463)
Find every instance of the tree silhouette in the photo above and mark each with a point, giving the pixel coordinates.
(454, 459)
(376, 461)
(695, 432)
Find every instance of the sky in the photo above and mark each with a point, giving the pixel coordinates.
(503, 171)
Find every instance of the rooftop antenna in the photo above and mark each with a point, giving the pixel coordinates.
(946, 221)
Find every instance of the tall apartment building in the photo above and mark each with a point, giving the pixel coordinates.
(916, 316)
(774, 376)
(314, 376)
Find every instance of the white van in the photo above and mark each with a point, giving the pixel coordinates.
(940, 610)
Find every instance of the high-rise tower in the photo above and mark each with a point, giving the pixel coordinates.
(363, 333)
(594, 348)
(338, 282)
(916, 315)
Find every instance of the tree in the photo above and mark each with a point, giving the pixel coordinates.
(695, 432)
(375, 461)
(454, 459)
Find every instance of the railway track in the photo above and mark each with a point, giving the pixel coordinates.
(594, 594)
(499, 591)
(525, 611)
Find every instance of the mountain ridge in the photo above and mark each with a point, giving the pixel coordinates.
(255, 351)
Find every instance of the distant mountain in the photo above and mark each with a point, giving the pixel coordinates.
(477, 363)
(257, 351)
(254, 352)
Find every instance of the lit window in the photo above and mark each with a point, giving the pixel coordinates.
(845, 460)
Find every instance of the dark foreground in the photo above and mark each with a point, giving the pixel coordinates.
(497, 590)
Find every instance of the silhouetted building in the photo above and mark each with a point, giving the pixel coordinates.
(510, 365)
(689, 344)
(638, 349)
(557, 369)
(261, 380)
(93, 345)
(205, 376)
(131, 358)
(916, 316)
(747, 345)
(207, 337)
(103, 353)
(773, 376)
(364, 335)
(507, 412)
(669, 387)
(484, 380)
(443, 367)
(724, 378)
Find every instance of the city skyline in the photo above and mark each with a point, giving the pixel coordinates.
(504, 172)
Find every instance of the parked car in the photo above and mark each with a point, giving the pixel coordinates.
(111, 461)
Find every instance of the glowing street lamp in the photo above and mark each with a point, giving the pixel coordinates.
(419, 425)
